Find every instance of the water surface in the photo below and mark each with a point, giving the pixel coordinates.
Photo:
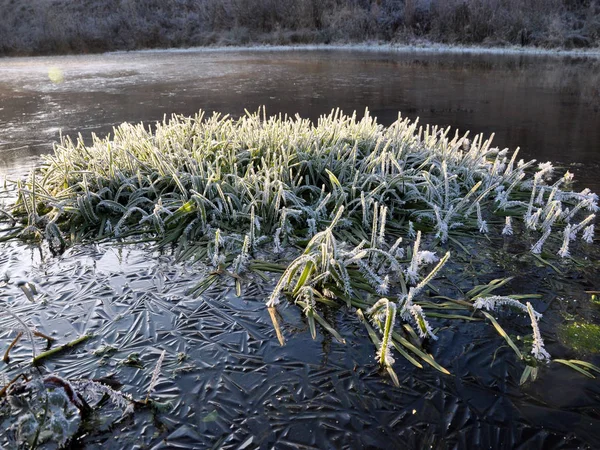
(227, 383)
(547, 105)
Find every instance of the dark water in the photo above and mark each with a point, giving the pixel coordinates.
(225, 381)
(547, 105)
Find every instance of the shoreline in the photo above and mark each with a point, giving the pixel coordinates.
(377, 47)
(374, 47)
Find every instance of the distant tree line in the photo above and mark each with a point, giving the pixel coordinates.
(66, 26)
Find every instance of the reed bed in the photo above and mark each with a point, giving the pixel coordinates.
(343, 209)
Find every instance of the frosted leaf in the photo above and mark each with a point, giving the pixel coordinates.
(507, 230)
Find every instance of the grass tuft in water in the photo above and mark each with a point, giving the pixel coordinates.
(346, 204)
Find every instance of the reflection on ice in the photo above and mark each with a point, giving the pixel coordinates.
(548, 105)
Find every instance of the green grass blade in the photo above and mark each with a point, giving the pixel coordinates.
(406, 355)
(503, 333)
(329, 328)
(393, 376)
(526, 374)
(574, 366)
(420, 353)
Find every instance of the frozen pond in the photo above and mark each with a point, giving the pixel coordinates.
(547, 105)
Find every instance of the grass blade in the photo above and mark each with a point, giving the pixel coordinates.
(273, 314)
(503, 333)
(573, 365)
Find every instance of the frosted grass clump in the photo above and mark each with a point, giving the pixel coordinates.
(329, 269)
(360, 199)
(258, 174)
(493, 303)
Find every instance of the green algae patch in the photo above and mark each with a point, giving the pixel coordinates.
(581, 336)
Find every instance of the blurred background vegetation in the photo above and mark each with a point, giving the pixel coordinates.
(66, 26)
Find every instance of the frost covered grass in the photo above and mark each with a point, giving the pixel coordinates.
(92, 26)
(246, 195)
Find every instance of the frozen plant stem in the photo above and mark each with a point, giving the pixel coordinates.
(42, 356)
(537, 350)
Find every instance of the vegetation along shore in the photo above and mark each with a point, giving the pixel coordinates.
(57, 26)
